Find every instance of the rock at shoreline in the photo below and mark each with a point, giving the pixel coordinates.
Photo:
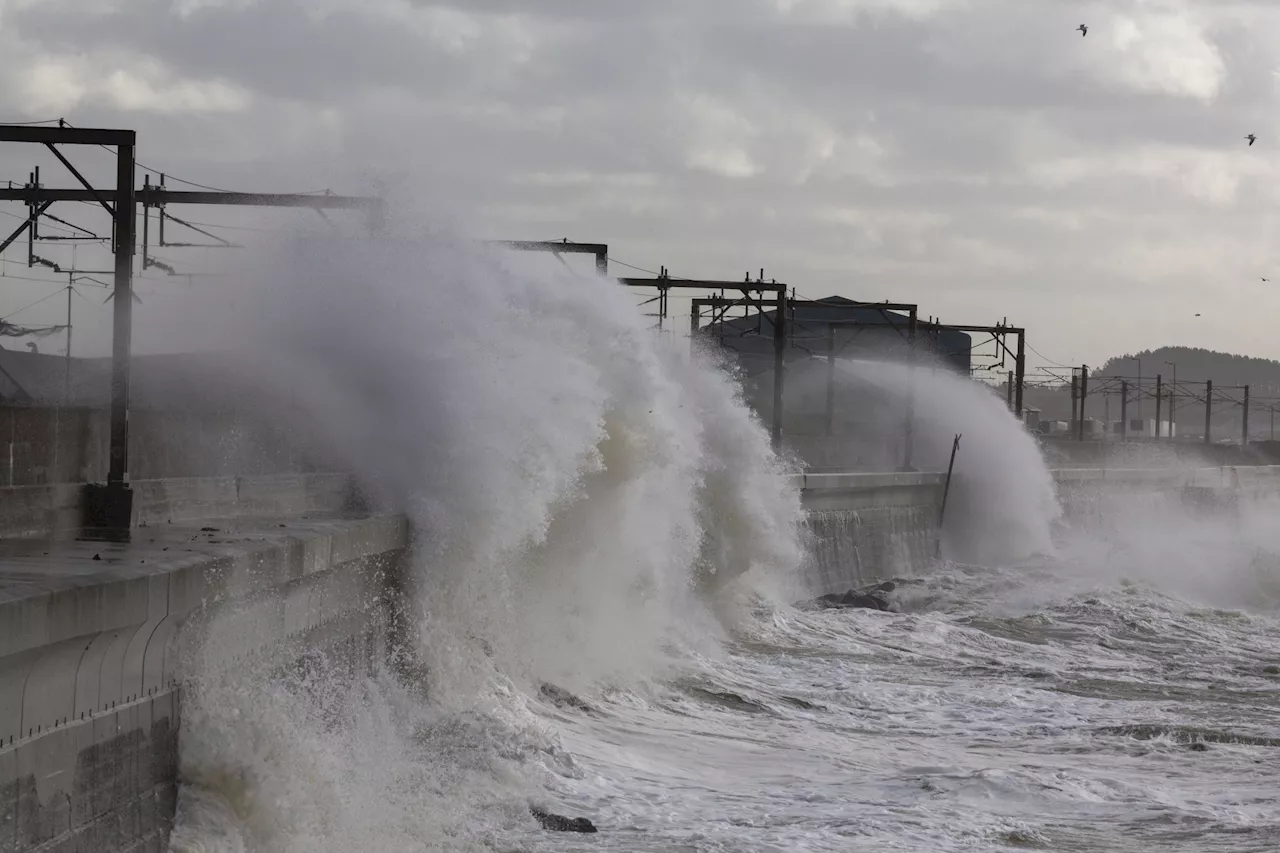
(562, 698)
(868, 598)
(560, 823)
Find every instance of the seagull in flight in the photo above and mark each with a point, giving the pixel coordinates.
(1252, 139)
(1266, 279)
(1084, 30)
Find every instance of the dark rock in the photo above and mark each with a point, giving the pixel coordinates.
(868, 598)
(1198, 746)
(97, 557)
(562, 698)
(209, 530)
(1271, 670)
(560, 823)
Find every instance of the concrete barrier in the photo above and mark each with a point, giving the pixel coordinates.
(868, 526)
(98, 640)
(55, 510)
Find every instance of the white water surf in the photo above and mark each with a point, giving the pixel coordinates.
(599, 511)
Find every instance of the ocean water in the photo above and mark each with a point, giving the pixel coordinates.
(597, 510)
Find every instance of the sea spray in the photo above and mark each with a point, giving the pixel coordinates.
(579, 487)
(1003, 501)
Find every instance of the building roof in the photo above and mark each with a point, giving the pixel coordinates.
(861, 330)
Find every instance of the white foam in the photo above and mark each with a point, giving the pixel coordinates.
(580, 488)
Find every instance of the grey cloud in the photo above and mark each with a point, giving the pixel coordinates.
(964, 115)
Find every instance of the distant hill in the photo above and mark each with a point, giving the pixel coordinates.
(1197, 365)
(1194, 366)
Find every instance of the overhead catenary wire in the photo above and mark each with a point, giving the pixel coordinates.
(12, 314)
(613, 260)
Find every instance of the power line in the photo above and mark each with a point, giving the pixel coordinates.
(12, 314)
(631, 266)
(1048, 360)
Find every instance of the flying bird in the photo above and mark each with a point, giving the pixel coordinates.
(1084, 30)
(1252, 139)
(1266, 279)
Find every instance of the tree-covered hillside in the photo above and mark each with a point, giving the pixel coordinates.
(1197, 365)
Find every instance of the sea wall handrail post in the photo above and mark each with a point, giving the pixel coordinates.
(946, 490)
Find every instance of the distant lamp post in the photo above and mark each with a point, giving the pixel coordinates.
(1173, 400)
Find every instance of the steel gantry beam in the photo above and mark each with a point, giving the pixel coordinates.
(745, 287)
(998, 333)
(564, 247)
(154, 196)
(109, 508)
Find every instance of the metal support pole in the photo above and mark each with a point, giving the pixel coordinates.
(1020, 375)
(831, 380)
(602, 263)
(1075, 397)
(779, 357)
(1244, 428)
(66, 364)
(1008, 392)
(1208, 412)
(1124, 411)
(1273, 423)
(121, 344)
(1084, 394)
(1159, 401)
(909, 435)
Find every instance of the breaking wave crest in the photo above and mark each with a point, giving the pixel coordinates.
(589, 502)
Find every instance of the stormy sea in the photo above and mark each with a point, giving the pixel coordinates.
(609, 589)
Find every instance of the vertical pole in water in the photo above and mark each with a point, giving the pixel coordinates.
(909, 443)
(831, 380)
(1159, 401)
(1244, 428)
(946, 491)
(1208, 411)
(1084, 393)
(1124, 411)
(1273, 423)
(779, 357)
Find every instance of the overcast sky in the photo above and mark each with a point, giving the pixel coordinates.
(979, 157)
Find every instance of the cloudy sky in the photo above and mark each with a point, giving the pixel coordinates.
(978, 157)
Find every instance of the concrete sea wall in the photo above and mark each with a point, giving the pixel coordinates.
(864, 527)
(98, 641)
(868, 527)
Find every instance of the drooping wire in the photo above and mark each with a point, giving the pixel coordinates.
(12, 314)
(614, 260)
(1048, 360)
